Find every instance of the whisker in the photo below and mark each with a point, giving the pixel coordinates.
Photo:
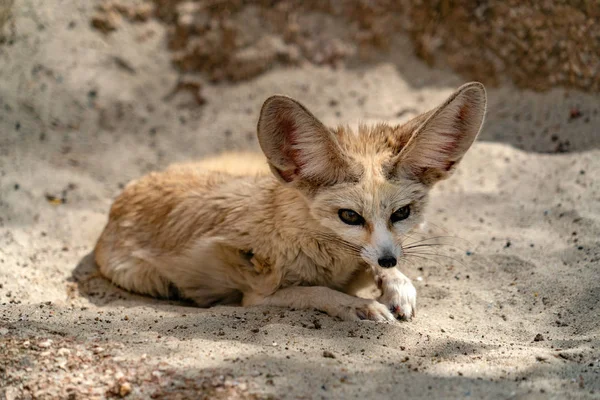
(338, 240)
(435, 238)
(444, 230)
(437, 226)
(355, 249)
(410, 246)
(438, 255)
(431, 245)
(423, 258)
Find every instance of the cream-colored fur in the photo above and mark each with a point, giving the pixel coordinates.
(242, 228)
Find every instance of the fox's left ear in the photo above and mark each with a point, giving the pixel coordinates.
(442, 136)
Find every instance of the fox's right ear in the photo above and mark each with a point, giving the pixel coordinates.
(297, 145)
(441, 137)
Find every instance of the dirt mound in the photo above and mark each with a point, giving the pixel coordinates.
(237, 40)
(537, 45)
(97, 371)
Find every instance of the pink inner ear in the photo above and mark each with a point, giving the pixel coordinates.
(455, 138)
(288, 175)
(450, 145)
(463, 113)
(287, 148)
(449, 165)
(441, 155)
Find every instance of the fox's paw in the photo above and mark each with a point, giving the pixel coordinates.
(400, 297)
(365, 309)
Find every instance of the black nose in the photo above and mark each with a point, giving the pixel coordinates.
(387, 261)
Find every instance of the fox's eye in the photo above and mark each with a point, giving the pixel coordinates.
(400, 214)
(350, 217)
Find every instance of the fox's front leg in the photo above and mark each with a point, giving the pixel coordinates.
(322, 298)
(397, 292)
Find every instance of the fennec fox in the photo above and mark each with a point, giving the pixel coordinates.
(327, 220)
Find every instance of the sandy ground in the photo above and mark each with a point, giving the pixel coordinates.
(510, 310)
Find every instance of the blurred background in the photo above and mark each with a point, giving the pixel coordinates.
(105, 55)
(535, 44)
(95, 93)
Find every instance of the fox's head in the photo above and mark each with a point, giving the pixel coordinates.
(369, 187)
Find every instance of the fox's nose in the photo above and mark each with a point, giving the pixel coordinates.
(387, 261)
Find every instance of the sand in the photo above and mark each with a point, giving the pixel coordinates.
(509, 309)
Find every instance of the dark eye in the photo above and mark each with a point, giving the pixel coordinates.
(350, 217)
(400, 214)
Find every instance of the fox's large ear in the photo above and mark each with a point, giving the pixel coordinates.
(441, 137)
(297, 145)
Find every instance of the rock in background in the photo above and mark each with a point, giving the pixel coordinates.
(536, 45)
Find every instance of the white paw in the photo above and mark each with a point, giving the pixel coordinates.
(365, 309)
(400, 297)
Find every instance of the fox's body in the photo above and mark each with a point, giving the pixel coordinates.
(260, 228)
(306, 227)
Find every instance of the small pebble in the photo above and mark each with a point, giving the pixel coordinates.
(63, 351)
(538, 338)
(574, 113)
(124, 389)
(328, 354)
